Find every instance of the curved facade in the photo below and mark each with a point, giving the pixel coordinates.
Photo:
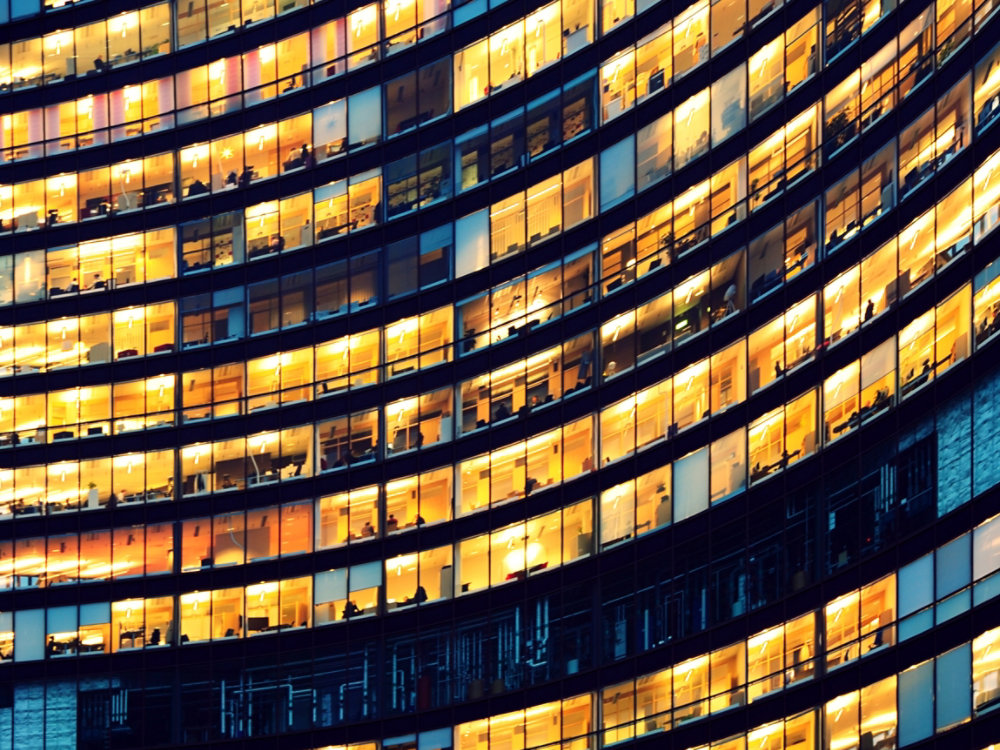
(418, 376)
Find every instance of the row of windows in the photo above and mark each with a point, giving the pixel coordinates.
(676, 48)
(22, 132)
(927, 698)
(215, 14)
(632, 76)
(894, 712)
(354, 40)
(287, 378)
(506, 554)
(93, 266)
(62, 55)
(560, 28)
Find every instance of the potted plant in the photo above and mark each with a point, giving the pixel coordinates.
(92, 495)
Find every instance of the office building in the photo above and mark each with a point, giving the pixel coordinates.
(488, 375)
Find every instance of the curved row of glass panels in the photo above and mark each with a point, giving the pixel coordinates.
(199, 19)
(925, 699)
(893, 712)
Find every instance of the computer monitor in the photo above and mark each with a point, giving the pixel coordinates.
(257, 623)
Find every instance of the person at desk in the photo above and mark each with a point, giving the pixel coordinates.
(983, 329)
(367, 529)
(881, 399)
(730, 299)
(246, 178)
(305, 155)
(351, 609)
(420, 596)
(419, 520)
(786, 457)
(294, 160)
(391, 524)
(502, 412)
(231, 178)
(198, 188)
(100, 65)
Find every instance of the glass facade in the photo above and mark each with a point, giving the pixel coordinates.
(439, 375)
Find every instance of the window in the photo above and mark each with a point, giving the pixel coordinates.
(729, 97)
(347, 517)
(986, 87)
(691, 128)
(654, 151)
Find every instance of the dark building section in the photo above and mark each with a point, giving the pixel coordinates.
(500, 376)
